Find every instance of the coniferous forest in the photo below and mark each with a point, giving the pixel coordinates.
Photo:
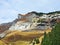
(52, 38)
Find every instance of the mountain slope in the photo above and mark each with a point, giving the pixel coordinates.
(5, 26)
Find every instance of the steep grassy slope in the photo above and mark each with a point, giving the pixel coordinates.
(22, 38)
(18, 38)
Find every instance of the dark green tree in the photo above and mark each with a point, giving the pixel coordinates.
(52, 38)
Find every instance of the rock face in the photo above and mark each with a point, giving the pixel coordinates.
(24, 23)
(20, 26)
(26, 20)
(28, 16)
(29, 21)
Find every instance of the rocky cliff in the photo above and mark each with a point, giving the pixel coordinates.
(26, 21)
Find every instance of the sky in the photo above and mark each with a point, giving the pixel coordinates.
(9, 9)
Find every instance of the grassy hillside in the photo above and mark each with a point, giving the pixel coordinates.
(20, 38)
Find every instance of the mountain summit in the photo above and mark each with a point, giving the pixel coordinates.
(31, 21)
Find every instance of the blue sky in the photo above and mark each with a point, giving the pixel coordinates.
(9, 9)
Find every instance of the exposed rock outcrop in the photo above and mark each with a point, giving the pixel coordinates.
(29, 21)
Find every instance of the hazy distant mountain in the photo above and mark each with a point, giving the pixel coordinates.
(6, 26)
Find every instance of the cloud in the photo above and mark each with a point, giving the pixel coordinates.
(5, 21)
(4, 5)
(24, 6)
(10, 8)
(8, 15)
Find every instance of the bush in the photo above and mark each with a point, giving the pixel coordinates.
(37, 41)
